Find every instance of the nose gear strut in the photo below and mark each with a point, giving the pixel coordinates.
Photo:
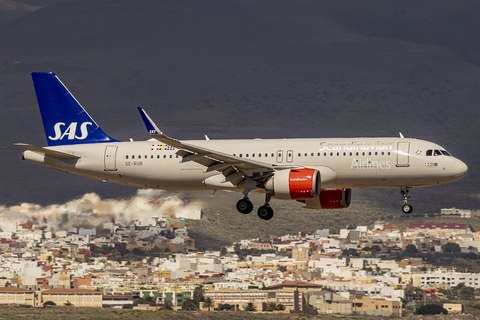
(406, 208)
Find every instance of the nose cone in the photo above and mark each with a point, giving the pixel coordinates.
(460, 169)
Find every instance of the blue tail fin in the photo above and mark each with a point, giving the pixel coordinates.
(64, 119)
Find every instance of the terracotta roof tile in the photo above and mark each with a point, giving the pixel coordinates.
(13, 289)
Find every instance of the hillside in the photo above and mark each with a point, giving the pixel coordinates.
(222, 225)
(245, 69)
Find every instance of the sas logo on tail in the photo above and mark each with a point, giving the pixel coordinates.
(70, 131)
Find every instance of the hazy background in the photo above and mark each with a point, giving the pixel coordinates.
(245, 69)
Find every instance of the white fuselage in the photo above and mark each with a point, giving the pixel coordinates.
(342, 162)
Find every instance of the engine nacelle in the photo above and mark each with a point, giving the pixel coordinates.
(330, 199)
(296, 184)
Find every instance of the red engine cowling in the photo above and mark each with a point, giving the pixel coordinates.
(330, 199)
(296, 184)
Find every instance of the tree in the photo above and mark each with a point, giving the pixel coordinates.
(129, 257)
(271, 306)
(250, 307)
(431, 309)
(451, 248)
(115, 255)
(223, 251)
(168, 305)
(49, 303)
(280, 307)
(226, 306)
(410, 250)
(198, 295)
(208, 304)
(189, 305)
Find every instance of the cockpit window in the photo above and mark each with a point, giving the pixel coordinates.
(437, 153)
(429, 152)
(445, 153)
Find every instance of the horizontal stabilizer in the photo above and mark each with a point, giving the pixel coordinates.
(47, 152)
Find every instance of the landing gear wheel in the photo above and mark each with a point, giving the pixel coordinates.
(265, 212)
(244, 206)
(407, 209)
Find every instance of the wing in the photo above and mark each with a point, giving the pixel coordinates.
(233, 168)
(47, 152)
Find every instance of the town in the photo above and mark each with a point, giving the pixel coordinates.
(152, 264)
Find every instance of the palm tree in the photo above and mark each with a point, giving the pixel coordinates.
(198, 295)
(208, 303)
(189, 304)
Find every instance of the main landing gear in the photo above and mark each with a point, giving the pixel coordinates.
(244, 206)
(265, 212)
(406, 208)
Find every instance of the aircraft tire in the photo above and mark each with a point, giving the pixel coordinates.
(407, 209)
(244, 206)
(265, 212)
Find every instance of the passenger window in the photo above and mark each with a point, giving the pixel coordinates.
(306, 154)
(369, 153)
(344, 154)
(429, 152)
(151, 157)
(176, 156)
(324, 154)
(158, 156)
(331, 154)
(338, 153)
(126, 157)
(350, 154)
(170, 156)
(164, 156)
(145, 156)
(246, 155)
(312, 154)
(240, 155)
(299, 154)
(259, 155)
(363, 153)
(388, 152)
(139, 157)
(133, 157)
(357, 153)
(376, 153)
(318, 154)
(253, 155)
(273, 155)
(383, 153)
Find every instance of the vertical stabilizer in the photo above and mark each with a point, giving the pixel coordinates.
(64, 119)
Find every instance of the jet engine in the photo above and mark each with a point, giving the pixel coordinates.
(330, 199)
(296, 184)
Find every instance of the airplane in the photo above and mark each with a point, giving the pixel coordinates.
(318, 172)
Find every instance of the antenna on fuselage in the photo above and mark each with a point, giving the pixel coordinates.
(401, 135)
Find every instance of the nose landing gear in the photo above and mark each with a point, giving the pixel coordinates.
(406, 208)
